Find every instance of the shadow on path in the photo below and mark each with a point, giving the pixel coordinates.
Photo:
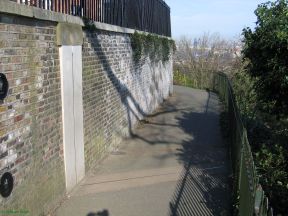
(100, 213)
(204, 185)
(203, 188)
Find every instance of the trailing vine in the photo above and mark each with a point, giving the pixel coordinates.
(152, 46)
(88, 24)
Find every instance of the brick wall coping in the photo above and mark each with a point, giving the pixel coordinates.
(9, 7)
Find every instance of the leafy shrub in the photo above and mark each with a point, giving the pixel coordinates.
(266, 51)
(266, 77)
(268, 137)
(183, 79)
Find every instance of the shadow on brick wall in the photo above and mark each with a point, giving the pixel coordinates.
(132, 107)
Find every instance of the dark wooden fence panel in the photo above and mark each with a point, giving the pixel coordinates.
(146, 15)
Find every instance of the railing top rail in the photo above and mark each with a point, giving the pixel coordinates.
(145, 15)
(245, 171)
(164, 3)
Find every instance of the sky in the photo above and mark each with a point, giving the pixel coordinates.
(193, 18)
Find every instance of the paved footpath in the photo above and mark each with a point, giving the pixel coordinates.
(176, 164)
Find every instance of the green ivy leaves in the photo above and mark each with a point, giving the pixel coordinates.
(152, 46)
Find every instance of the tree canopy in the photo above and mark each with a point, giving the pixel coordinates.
(266, 49)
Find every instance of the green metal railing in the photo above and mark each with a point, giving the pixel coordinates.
(251, 199)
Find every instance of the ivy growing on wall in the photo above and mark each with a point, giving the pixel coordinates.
(152, 46)
(88, 24)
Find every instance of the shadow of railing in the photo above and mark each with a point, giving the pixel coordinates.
(199, 192)
(204, 184)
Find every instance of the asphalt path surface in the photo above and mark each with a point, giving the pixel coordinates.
(175, 164)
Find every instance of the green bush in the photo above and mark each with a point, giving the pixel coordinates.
(266, 52)
(183, 79)
(268, 137)
(262, 95)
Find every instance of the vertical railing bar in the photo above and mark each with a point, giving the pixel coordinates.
(97, 10)
(145, 15)
(158, 17)
(123, 16)
(114, 13)
(139, 23)
(84, 8)
(108, 5)
(153, 16)
(110, 11)
(106, 12)
(90, 10)
(56, 5)
(78, 8)
(117, 9)
(100, 11)
(148, 14)
(59, 6)
(65, 6)
(93, 9)
(73, 7)
(103, 11)
(70, 6)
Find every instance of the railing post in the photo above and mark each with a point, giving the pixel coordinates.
(146, 15)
